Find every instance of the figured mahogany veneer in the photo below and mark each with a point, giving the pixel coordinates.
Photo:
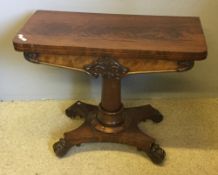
(135, 66)
(120, 36)
(112, 46)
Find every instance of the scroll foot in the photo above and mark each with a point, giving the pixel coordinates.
(156, 154)
(157, 117)
(61, 147)
(80, 109)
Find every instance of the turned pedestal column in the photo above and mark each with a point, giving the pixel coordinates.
(110, 121)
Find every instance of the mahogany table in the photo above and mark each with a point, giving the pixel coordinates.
(112, 46)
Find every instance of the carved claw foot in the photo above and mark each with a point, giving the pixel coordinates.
(61, 147)
(156, 154)
(79, 109)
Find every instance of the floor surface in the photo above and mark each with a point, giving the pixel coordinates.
(188, 133)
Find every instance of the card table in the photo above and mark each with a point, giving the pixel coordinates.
(112, 46)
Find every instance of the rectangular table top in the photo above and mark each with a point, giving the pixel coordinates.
(126, 36)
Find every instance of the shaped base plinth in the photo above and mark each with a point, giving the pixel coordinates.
(125, 133)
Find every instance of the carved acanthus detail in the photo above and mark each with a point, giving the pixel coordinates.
(31, 56)
(107, 68)
(184, 65)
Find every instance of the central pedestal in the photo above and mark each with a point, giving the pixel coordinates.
(110, 121)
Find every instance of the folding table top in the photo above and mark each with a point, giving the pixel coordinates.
(126, 36)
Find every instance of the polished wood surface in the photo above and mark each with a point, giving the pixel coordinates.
(135, 66)
(112, 46)
(120, 36)
(127, 132)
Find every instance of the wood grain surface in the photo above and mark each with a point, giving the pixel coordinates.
(120, 36)
(136, 65)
